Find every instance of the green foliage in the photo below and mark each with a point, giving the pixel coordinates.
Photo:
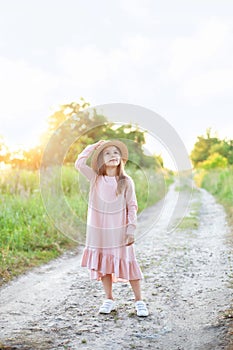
(210, 152)
(225, 149)
(220, 184)
(27, 236)
(202, 147)
(214, 161)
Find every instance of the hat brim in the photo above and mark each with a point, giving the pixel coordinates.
(122, 147)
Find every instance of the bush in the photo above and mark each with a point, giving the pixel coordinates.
(214, 161)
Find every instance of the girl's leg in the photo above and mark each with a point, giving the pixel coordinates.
(136, 286)
(139, 304)
(107, 284)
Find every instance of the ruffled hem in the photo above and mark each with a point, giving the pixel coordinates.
(100, 264)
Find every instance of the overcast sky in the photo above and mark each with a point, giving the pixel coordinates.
(172, 57)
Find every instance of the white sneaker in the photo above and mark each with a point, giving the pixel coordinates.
(141, 309)
(108, 306)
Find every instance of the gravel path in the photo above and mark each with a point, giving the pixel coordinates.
(186, 286)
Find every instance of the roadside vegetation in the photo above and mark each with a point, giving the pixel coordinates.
(219, 182)
(213, 162)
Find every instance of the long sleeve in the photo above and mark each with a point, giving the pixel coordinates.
(132, 207)
(80, 163)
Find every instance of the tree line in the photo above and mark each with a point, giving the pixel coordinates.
(210, 152)
(72, 127)
(74, 121)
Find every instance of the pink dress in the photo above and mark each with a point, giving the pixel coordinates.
(110, 218)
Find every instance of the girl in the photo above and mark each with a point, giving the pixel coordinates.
(111, 221)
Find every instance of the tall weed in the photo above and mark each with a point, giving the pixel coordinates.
(220, 184)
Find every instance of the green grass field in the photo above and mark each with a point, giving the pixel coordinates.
(220, 184)
(27, 234)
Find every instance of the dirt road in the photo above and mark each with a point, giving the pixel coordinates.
(187, 287)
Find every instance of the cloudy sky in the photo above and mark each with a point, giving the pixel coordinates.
(172, 57)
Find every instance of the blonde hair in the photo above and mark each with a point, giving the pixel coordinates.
(120, 172)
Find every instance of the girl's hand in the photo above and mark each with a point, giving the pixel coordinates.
(129, 240)
(99, 143)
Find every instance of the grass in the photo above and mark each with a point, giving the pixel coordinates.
(28, 237)
(190, 222)
(220, 184)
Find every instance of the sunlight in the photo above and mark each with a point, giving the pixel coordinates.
(18, 148)
(4, 166)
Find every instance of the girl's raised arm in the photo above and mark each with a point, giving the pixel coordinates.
(80, 163)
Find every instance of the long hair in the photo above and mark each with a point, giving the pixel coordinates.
(120, 172)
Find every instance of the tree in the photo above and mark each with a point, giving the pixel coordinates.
(73, 122)
(230, 151)
(208, 146)
(65, 112)
(225, 149)
(202, 148)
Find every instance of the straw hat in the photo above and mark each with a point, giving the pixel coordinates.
(122, 147)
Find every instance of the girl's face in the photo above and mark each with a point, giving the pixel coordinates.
(111, 156)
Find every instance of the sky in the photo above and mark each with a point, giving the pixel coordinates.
(172, 57)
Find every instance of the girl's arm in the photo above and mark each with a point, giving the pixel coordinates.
(80, 163)
(132, 207)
